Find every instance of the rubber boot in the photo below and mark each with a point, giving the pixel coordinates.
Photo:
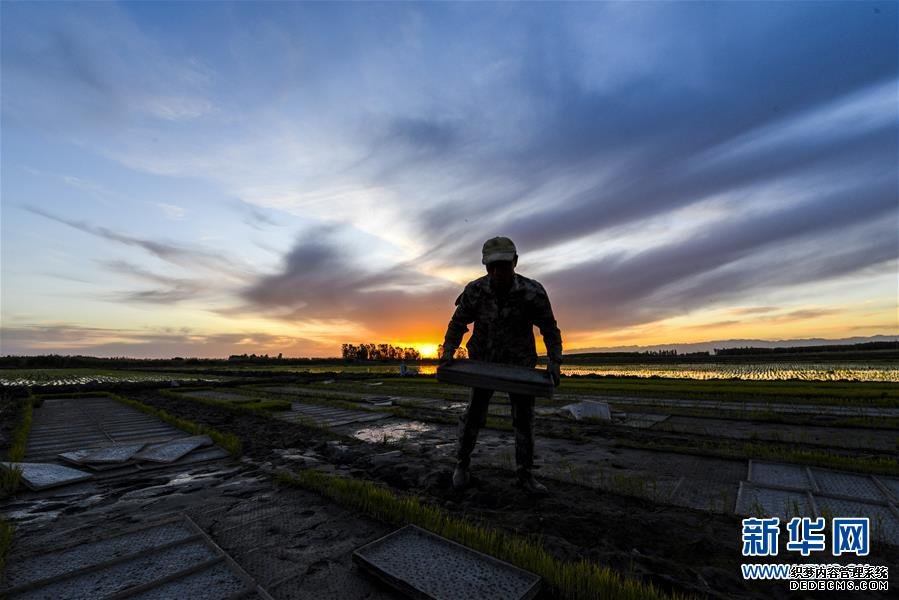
(527, 482)
(461, 478)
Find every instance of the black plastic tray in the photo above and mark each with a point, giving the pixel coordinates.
(502, 378)
(426, 566)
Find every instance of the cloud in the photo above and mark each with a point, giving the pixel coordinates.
(654, 159)
(647, 183)
(87, 186)
(811, 313)
(320, 280)
(767, 319)
(171, 211)
(253, 215)
(683, 130)
(175, 108)
(752, 310)
(177, 254)
(67, 338)
(788, 247)
(112, 74)
(172, 290)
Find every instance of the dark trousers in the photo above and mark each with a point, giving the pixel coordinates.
(475, 416)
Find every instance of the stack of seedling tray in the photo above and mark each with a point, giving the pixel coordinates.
(501, 378)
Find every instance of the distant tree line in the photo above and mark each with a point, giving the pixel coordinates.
(379, 352)
(461, 352)
(253, 358)
(60, 361)
(636, 356)
(866, 346)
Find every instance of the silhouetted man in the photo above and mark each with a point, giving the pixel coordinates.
(504, 307)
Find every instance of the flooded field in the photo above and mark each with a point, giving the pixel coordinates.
(825, 371)
(61, 377)
(663, 473)
(887, 371)
(873, 371)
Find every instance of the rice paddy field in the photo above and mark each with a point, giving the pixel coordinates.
(60, 377)
(862, 371)
(825, 371)
(649, 500)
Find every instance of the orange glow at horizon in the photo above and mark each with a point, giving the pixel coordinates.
(426, 350)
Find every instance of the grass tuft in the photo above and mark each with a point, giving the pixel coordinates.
(7, 530)
(270, 405)
(16, 450)
(10, 478)
(572, 580)
(876, 465)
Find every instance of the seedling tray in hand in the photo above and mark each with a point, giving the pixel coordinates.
(502, 378)
(423, 565)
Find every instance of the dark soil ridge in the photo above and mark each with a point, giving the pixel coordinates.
(678, 549)
(647, 438)
(704, 443)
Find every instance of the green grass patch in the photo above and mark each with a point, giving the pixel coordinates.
(11, 478)
(254, 403)
(572, 580)
(16, 450)
(860, 393)
(7, 531)
(766, 416)
(247, 394)
(843, 393)
(876, 465)
(866, 422)
(270, 405)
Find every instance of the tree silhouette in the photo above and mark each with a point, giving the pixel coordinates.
(378, 352)
(461, 352)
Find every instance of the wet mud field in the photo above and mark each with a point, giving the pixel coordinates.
(619, 496)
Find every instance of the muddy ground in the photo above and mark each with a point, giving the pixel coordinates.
(10, 414)
(678, 549)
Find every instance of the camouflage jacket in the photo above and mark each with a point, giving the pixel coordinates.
(504, 324)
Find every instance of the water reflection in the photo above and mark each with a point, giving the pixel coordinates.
(392, 432)
(757, 371)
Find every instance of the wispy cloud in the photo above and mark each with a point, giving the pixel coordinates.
(318, 280)
(170, 290)
(150, 343)
(171, 211)
(87, 186)
(649, 160)
(107, 68)
(177, 254)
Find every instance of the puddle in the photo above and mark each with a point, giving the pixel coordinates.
(32, 518)
(392, 432)
(190, 477)
(34, 511)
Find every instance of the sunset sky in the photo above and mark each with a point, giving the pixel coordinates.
(211, 179)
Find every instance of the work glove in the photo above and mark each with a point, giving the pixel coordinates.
(555, 371)
(447, 356)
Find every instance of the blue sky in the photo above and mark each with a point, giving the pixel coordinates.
(211, 178)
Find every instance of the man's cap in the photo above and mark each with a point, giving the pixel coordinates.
(498, 248)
